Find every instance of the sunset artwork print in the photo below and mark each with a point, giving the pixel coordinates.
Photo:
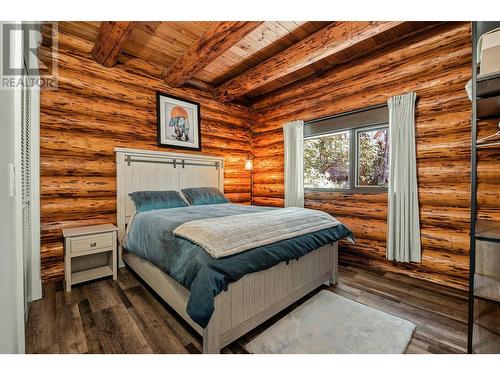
(178, 122)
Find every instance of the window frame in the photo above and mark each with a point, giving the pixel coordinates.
(356, 157)
(329, 134)
(353, 160)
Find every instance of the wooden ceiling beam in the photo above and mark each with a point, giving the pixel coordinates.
(199, 84)
(213, 43)
(328, 41)
(110, 40)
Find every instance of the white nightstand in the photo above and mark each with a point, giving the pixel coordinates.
(89, 253)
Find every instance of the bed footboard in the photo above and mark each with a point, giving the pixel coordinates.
(258, 296)
(249, 301)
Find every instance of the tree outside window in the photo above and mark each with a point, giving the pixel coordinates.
(350, 160)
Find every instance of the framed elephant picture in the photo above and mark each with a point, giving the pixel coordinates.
(178, 122)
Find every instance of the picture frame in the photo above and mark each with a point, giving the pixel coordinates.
(178, 122)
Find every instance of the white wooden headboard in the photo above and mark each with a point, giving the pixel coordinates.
(155, 170)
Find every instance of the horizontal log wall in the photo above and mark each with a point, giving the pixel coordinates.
(436, 65)
(96, 109)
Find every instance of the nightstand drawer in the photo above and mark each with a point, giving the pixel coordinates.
(87, 243)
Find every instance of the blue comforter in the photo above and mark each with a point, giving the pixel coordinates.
(151, 237)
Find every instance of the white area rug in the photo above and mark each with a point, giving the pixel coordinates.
(329, 323)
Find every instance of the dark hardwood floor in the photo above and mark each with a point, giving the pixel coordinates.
(125, 316)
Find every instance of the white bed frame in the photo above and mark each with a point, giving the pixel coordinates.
(247, 302)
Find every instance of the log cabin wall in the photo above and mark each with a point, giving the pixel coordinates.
(436, 65)
(96, 109)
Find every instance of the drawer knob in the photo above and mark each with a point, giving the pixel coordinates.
(94, 244)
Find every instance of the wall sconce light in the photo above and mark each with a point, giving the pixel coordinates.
(249, 167)
(248, 164)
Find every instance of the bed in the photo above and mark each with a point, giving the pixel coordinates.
(241, 298)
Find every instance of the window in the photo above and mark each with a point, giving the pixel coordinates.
(372, 159)
(352, 155)
(326, 161)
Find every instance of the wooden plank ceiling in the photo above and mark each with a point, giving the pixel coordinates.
(240, 61)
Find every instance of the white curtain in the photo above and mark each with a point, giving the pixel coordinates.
(403, 235)
(294, 163)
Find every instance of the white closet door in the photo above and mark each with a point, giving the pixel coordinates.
(26, 194)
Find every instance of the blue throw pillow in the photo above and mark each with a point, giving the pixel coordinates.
(204, 195)
(155, 200)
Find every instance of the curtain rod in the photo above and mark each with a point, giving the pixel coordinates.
(375, 106)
